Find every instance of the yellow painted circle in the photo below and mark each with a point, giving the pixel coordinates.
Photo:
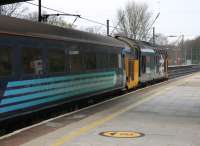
(122, 134)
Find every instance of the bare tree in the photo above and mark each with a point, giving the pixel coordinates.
(95, 29)
(59, 21)
(12, 10)
(192, 48)
(161, 39)
(135, 20)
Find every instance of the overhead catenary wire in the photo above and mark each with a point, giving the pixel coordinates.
(153, 22)
(118, 23)
(48, 8)
(75, 15)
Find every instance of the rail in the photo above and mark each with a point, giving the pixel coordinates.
(181, 70)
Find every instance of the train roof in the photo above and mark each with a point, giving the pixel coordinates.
(35, 29)
(144, 46)
(134, 43)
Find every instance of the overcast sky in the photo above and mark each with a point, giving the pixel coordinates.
(176, 16)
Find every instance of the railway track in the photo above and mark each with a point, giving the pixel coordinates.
(174, 72)
(181, 70)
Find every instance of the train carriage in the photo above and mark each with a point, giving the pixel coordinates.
(152, 63)
(42, 66)
(143, 62)
(131, 62)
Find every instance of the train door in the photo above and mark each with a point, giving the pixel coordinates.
(132, 72)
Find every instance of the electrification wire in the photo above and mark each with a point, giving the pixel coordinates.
(86, 19)
(153, 22)
(49, 8)
(118, 23)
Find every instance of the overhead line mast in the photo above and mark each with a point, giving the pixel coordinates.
(39, 11)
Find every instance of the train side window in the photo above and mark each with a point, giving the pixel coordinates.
(102, 60)
(75, 61)
(148, 60)
(56, 60)
(152, 61)
(32, 61)
(114, 60)
(90, 61)
(5, 62)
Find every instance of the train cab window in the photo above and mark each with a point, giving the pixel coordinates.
(32, 61)
(157, 64)
(131, 69)
(5, 62)
(56, 60)
(143, 64)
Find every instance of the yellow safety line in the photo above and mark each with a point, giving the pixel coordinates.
(93, 125)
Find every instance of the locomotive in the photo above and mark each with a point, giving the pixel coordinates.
(42, 66)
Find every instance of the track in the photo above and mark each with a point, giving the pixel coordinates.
(174, 72)
(181, 70)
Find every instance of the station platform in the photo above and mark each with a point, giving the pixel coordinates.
(166, 114)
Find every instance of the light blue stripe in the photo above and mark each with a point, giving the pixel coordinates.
(54, 86)
(52, 92)
(59, 97)
(56, 79)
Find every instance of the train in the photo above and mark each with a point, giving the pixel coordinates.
(43, 66)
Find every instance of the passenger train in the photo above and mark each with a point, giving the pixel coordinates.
(42, 66)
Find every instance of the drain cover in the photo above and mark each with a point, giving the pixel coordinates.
(122, 134)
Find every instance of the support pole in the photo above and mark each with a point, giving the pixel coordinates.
(184, 50)
(39, 11)
(153, 36)
(108, 31)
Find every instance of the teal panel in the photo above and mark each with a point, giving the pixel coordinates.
(54, 98)
(54, 86)
(54, 92)
(57, 79)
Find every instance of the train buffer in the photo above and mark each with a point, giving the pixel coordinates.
(166, 114)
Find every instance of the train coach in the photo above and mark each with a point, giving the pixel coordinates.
(143, 62)
(42, 66)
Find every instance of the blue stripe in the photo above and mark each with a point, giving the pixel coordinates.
(58, 89)
(53, 92)
(54, 98)
(53, 86)
(55, 79)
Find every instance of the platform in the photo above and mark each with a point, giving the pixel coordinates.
(167, 114)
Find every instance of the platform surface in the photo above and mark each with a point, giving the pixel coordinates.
(167, 114)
